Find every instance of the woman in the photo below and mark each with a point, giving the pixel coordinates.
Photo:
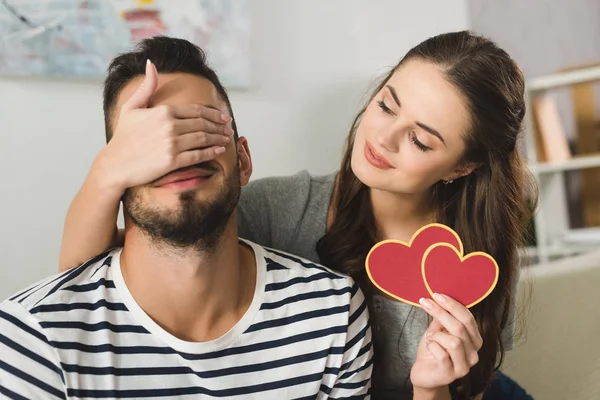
(435, 143)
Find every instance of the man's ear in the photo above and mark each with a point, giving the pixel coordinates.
(244, 160)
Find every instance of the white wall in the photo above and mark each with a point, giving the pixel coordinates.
(561, 34)
(314, 62)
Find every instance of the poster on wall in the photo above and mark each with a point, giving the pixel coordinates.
(78, 38)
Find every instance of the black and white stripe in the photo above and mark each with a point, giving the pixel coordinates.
(80, 335)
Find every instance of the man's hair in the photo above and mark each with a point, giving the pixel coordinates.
(169, 55)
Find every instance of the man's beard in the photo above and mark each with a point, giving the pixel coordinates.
(194, 224)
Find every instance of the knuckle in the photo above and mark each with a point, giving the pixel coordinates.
(171, 147)
(462, 370)
(169, 127)
(479, 343)
(199, 156)
(164, 111)
(202, 139)
(216, 128)
(462, 331)
(455, 343)
(209, 126)
(446, 360)
(195, 156)
(472, 323)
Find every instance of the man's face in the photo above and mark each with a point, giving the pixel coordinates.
(189, 207)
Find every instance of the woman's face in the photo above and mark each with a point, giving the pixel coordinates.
(412, 133)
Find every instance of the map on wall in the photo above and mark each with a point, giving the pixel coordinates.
(78, 38)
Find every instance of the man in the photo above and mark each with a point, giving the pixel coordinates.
(185, 308)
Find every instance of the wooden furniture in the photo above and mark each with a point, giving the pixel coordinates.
(553, 234)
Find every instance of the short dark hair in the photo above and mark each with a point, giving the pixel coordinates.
(169, 55)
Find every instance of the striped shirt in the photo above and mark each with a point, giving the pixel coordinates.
(80, 334)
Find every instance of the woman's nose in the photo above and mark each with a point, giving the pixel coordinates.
(389, 138)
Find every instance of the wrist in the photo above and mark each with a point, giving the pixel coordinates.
(439, 393)
(103, 179)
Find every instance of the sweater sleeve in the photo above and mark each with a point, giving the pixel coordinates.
(270, 209)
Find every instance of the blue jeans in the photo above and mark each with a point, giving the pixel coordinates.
(504, 388)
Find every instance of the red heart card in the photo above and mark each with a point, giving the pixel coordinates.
(467, 279)
(395, 267)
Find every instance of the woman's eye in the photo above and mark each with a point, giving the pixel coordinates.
(385, 108)
(416, 142)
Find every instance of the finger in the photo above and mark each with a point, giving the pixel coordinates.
(201, 124)
(199, 111)
(141, 96)
(441, 355)
(435, 326)
(199, 140)
(463, 315)
(448, 321)
(450, 324)
(461, 359)
(192, 157)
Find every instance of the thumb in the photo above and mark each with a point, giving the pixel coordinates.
(141, 97)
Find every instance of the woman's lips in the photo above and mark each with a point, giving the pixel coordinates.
(376, 159)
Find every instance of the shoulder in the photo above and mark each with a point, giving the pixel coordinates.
(280, 188)
(270, 209)
(265, 185)
(65, 287)
(301, 266)
(299, 275)
(275, 191)
(32, 325)
(266, 203)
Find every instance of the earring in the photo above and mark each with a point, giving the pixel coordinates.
(448, 182)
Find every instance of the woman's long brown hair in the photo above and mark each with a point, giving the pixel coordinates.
(489, 208)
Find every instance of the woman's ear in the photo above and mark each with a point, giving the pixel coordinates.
(244, 160)
(463, 170)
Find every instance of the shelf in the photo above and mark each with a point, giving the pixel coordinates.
(557, 80)
(549, 176)
(582, 236)
(558, 250)
(574, 163)
(574, 241)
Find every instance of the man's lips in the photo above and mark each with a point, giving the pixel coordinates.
(195, 173)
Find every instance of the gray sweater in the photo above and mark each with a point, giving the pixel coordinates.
(290, 214)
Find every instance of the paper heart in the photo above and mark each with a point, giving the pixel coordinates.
(395, 267)
(467, 279)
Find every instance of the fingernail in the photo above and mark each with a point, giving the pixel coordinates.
(429, 333)
(426, 303)
(225, 117)
(220, 150)
(227, 140)
(440, 298)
